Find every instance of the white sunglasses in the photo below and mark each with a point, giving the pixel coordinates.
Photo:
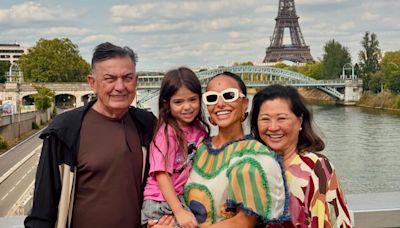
(228, 95)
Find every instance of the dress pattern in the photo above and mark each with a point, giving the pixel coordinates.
(316, 199)
(242, 174)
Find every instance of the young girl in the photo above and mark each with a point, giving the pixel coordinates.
(180, 128)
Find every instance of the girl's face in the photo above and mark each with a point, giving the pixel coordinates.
(185, 106)
(278, 126)
(226, 111)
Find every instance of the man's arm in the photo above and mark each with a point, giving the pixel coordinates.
(47, 189)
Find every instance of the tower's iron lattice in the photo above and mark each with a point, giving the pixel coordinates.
(297, 51)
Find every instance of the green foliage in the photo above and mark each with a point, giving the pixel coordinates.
(334, 58)
(3, 143)
(43, 98)
(313, 70)
(4, 67)
(281, 66)
(35, 125)
(390, 66)
(369, 57)
(56, 60)
(376, 82)
(248, 63)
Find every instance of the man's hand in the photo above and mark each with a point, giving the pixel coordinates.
(167, 221)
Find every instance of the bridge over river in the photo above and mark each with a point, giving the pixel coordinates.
(67, 95)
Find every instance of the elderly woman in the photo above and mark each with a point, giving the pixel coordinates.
(280, 119)
(235, 181)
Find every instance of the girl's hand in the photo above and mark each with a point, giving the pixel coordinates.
(185, 219)
(167, 221)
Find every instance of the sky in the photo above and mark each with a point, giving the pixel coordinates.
(198, 33)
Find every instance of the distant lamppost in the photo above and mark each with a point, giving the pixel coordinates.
(15, 75)
(348, 66)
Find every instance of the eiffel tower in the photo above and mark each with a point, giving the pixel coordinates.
(297, 51)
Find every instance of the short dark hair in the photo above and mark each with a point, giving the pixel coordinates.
(236, 77)
(309, 140)
(108, 50)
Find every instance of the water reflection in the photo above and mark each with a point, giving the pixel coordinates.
(363, 144)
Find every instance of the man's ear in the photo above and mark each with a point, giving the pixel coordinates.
(91, 81)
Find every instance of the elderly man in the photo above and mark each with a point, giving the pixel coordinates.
(94, 159)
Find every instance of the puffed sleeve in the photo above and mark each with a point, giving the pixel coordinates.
(328, 205)
(257, 185)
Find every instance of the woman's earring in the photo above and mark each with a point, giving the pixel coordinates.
(211, 122)
(300, 128)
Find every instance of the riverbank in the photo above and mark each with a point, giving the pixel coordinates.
(383, 100)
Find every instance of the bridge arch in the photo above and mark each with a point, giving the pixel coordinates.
(274, 75)
(65, 101)
(86, 98)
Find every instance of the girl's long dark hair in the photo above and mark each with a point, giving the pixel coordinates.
(171, 83)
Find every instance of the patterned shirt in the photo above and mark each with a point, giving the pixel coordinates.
(242, 174)
(316, 199)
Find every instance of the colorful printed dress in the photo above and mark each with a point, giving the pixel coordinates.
(241, 174)
(316, 199)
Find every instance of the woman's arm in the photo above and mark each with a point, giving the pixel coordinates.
(184, 217)
(334, 209)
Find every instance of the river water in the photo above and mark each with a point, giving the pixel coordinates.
(363, 145)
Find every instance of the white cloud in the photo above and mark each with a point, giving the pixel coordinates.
(348, 25)
(68, 31)
(170, 10)
(267, 9)
(369, 16)
(32, 11)
(94, 39)
(224, 23)
(155, 27)
(234, 34)
(315, 2)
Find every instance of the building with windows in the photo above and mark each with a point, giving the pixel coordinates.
(11, 52)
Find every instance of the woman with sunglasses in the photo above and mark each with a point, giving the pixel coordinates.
(235, 181)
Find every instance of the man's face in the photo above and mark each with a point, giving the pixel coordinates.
(114, 83)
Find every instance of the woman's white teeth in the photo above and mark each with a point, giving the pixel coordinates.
(223, 113)
(275, 136)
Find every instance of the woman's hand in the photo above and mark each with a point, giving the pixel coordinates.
(167, 221)
(185, 219)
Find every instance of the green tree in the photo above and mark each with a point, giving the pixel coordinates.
(313, 70)
(4, 67)
(369, 57)
(376, 82)
(56, 60)
(248, 63)
(390, 66)
(334, 58)
(43, 98)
